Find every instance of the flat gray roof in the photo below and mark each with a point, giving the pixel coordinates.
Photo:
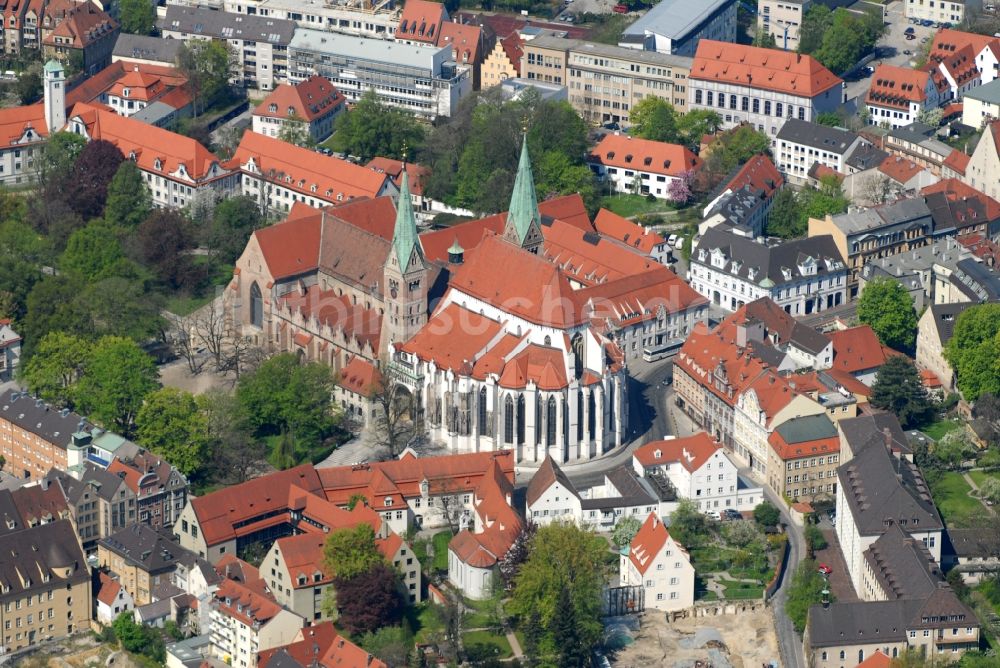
(370, 49)
(610, 51)
(676, 18)
(987, 92)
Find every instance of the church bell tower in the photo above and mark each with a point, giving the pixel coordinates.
(405, 276)
(524, 222)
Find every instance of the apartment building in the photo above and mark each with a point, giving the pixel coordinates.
(803, 457)
(898, 95)
(782, 20)
(245, 621)
(160, 489)
(36, 437)
(640, 166)
(258, 43)
(142, 558)
(934, 330)
(425, 80)
(939, 11)
(312, 105)
(46, 585)
(762, 87)
(86, 32)
(100, 502)
(800, 145)
(657, 562)
(605, 82)
(374, 20)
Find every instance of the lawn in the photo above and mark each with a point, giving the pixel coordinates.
(485, 644)
(938, 429)
(951, 495)
(479, 618)
(979, 477)
(633, 205)
(741, 590)
(182, 306)
(424, 619)
(441, 541)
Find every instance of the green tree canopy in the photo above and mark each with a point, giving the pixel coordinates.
(172, 425)
(887, 308)
(373, 128)
(206, 64)
(974, 350)
(137, 17)
(785, 219)
(233, 221)
(94, 253)
(688, 524)
(295, 130)
(350, 552)
(58, 156)
(766, 515)
(23, 253)
(806, 589)
(53, 306)
(563, 557)
(625, 530)
(117, 378)
(654, 118)
(129, 201)
(55, 367)
(29, 87)
(899, 390)
(838, 39)
(697, 123)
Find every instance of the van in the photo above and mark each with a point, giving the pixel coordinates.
(680, 243)
(671, 240)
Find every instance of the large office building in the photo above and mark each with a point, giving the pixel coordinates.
(676, 26)
(762, 87)
(424, 80)
(782, 20)
(604, 81)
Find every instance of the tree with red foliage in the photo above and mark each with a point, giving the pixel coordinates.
(161, 243)
(87, 189)
(369, 600)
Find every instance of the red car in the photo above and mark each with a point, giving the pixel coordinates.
(824, 569)
(620, 9)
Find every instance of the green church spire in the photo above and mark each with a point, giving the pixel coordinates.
(523, 201)
(404, 236)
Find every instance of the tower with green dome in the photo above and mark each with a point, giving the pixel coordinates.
(404, 283)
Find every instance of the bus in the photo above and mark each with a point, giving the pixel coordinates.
(663, 351)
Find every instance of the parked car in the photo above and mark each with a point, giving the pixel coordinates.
(731, 514)
(907, 53)
(620, 9)
(824, 569)
(911, 37)
(713, 514)
(680, 243)
(671, 240)
(910, 30)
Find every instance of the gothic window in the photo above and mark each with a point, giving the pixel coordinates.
(591, 418)
(577, 345)
(482, 410)
(508, 420)
(538, 421)
(256, 306)
(611, 406)
(520, 418)
(579, 415)
(550, 424)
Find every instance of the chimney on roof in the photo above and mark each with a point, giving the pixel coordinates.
(887, 435)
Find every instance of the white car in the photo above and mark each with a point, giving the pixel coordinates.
(680, 243)
(672, 239)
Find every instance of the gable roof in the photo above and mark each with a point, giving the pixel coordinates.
(307, 100)
(896, 87)
(691, 452)
(650, 539)
(806, 436)
(547, 474)
(107, 589)
(147, 549)
(763, 69)
(780, 328)
(628, 152)
(759, 174)
(858, 349)
(822, 137)
(630, 233)
(421, 21)
(84, 24)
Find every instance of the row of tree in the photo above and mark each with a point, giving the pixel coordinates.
(790, 211)
(839, 38)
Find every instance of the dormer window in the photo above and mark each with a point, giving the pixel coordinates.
(291, 111)
(158, 164)
(657, 454)
(388, 501)
(125, 92)
(302, 579)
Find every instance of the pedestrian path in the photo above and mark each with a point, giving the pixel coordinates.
(975, 492)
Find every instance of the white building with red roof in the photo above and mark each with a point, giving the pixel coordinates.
(641, 166)
(762, 87)
(110, 599)
(312, 104)
(246, 621)
(659, 564)
(898, 95)
(426, 23)
(697, 468)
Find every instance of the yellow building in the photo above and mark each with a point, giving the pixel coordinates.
(503, 62)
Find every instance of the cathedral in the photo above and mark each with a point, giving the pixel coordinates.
(509, 332)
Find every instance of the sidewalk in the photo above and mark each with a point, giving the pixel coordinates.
(975, 492)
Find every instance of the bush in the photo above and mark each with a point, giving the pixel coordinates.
(766, 515)
(815, 538)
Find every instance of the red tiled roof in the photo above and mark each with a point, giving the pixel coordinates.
(401, 478)
(35, 504)
(930, 379)
(358, 376)
(759, 174)
(453, 337)
(786, 451)
(464, 41)
(705, 351)
(498, 527)
(338, 312)
(947, 42)
(958, 191)
(309, 647)
(628, 152)
(896, 87)
(145, 469)
(513, 47)
(876, 660)
(306, 100)
(648, 542)
(588, 258)
(899, 169)
(543, 366)
(858, 349)
(763, 69)
(83, 25)
(567, 208)
(957, 161)
(245, 605)
(300, 169)
(291, 247)
(394, 168)
(108, 589)
(637, 298)
(219, 511)
(421, 21)
(624, 230)
(691, 451)
(149, 144)
(377, 216)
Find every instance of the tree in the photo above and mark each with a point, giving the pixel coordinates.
(625, 530)
(805, 590)
(679, 190)
(117, 378)
(688, 524)
(785, 219)
(814, 538)
(233, 221)
(206, 64)
(764, 39)
(173, 426)
(128, 202)
(392, 644)
(53, 306)
(741, 534)
(818, 202)
(510, 564)
(697, 123)
(349, 553)
(974, 349)
(55, 366)
(29, 87)
(370, 600)
(120, 306)
(879, 189)
(137, 17)
(563, 557)
(654, 118)
(139, 639)
(23, 253)
(373, 128)
(573, 652)
(989, 490)
(163, 242)
(393, 403)
(899, 390)
(829, 118)
(814, 24)
(952, 449)
(887, 308)
(87, 189)
(766, 515)
(94, 253)
(295, 130)
(56, 162)
(236, 454)
(289, 399)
